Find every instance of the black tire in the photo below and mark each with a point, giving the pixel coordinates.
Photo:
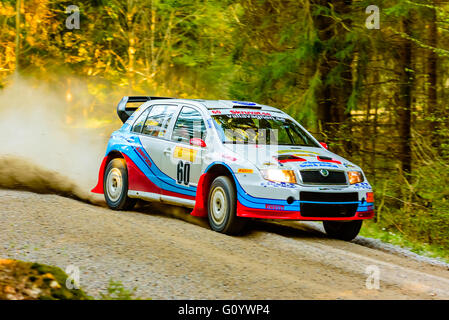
(343, 230)
(223, 192)
(119, 199)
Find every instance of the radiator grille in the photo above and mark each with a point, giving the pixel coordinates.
(329, 196)
(328, 210)
(315, 177)
(319, 210)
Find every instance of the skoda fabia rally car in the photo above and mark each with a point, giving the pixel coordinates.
(230, 161)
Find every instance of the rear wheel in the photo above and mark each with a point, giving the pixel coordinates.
(115, 185)
(222, 207)
(343, 230)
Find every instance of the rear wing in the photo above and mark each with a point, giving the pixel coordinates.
(124, 110)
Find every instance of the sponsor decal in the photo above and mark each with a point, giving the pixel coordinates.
(289, 158)
(278, 184)
(131, 118)
(303, 155)
(274, 207)
(242, 170)
(304, 152)
(216, 111)
(362, 185)
(255, 113)
(210, 123)
(348, 165)
(230, 158)
(143, 155)
(327, 159)
(313, 164)
(185, 153)
(244, 103)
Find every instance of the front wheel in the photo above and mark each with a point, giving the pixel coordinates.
(115, 185)
(343, 230)
(221, 207)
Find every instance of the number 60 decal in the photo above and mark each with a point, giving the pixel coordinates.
(183, 173)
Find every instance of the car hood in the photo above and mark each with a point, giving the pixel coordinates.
(290, 157)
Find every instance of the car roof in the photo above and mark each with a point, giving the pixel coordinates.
(227, 104)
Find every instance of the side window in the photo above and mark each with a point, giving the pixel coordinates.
(158, 120)
(138, 125)
(189, 125)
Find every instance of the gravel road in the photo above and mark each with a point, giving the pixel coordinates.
(175, 256)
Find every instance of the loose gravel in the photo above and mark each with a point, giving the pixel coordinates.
(172, 255)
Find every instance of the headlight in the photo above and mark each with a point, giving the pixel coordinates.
(355, 177)
(279, 175)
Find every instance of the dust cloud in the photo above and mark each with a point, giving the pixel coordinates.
(39, 151)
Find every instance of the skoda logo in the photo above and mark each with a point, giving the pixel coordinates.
(324, 172)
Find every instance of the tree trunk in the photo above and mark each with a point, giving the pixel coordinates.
(17, 42)
(432, 61)
(404, 108)
(334, 95)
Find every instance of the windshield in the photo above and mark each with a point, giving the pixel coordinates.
(264, 130)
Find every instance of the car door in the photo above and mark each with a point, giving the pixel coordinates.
(153, 139)
(182, 160)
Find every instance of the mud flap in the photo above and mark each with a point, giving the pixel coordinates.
(200, 209)
(99, 187)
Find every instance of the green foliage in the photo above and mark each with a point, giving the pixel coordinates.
(116, 291)
(371, 229)
(314, 59)
(35, 281)
(418, 211)
(61, 292)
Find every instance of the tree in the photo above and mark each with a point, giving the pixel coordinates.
(335, 64)
(404, 107)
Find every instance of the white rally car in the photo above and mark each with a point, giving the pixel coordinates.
(230, 161)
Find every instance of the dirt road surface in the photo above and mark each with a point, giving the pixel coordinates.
(175, 256)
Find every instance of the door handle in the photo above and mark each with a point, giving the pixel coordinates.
(167, 151)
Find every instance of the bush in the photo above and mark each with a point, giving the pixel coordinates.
(416, 206)
(116, 291)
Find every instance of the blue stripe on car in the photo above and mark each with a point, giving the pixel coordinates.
(165, 182)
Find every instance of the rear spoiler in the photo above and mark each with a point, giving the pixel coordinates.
(124, 111)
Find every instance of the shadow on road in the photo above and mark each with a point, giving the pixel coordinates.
(169, 211)
(290, 229)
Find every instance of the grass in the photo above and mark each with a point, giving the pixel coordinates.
(19, 278)
(412, 210)
(374, 230)
(28, 280)
(116, 291)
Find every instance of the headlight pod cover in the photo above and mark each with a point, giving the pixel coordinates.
(355, 177)
(279, 175)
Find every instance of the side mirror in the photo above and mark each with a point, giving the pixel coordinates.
(197, 142)
(324, 145)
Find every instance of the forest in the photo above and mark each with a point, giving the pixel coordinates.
(369, 78)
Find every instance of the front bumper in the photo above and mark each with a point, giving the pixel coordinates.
(268, 200)
(278, 212)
